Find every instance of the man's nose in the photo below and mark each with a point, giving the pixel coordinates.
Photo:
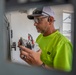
(35, 24)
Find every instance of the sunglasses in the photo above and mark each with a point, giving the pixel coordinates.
(38, 20)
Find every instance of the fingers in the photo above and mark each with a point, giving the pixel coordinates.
(19, 45)
(26, 49)
(23, 53)
(26, 57)
(22, 56)
(28, 61)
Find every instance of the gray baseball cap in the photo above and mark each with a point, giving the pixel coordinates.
(45, 11)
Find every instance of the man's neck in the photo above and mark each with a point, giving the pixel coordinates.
(49, 32)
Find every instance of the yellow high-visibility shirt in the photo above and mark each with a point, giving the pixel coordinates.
(57, 51)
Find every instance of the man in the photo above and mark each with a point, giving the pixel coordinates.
(55, 49)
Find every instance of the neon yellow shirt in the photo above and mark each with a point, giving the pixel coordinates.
(56, 51)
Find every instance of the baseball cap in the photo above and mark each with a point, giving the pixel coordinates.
(45, 11)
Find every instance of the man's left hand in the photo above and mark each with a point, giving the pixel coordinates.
(31, 57)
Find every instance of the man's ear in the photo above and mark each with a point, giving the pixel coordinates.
(50, 19)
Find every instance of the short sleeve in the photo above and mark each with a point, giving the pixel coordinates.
(63, 57)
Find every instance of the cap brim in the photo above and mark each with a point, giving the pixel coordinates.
(32, 16)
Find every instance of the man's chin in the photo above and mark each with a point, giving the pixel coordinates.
(38, 31)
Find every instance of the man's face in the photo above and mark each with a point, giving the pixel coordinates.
(41, 23)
